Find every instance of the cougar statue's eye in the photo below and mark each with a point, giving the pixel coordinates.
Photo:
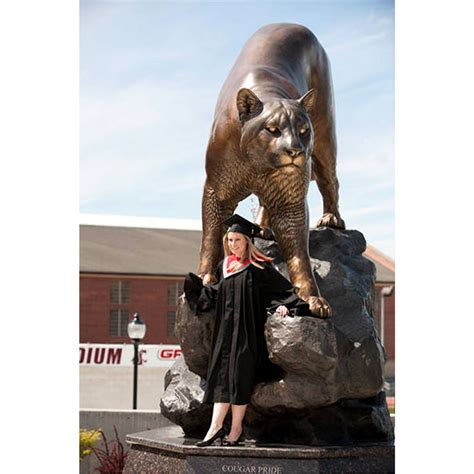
(273, 130)
(303, 129)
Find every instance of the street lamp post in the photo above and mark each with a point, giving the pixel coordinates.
(136, 332)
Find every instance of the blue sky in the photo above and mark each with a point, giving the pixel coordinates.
(150, 74)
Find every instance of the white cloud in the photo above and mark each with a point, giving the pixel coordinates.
(113, 173)
(159, 106)
(146, 137)
(360, 51)
(359, 33)
(145, 178)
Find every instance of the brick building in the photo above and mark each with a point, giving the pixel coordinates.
(384, 299)
(385, 280)
(124, 270)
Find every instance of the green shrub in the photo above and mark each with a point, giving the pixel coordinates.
(87, 439)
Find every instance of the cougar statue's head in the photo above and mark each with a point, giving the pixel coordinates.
(276, 135)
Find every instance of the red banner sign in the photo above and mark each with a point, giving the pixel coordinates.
(121, 355)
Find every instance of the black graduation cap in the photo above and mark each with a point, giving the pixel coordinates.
(237, 223)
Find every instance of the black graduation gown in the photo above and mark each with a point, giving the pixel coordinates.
(239, 356)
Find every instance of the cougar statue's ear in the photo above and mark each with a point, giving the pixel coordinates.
(309, 102)
(248, 105)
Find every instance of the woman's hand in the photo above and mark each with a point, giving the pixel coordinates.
(282, 310)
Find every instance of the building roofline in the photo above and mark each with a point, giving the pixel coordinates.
(376, 254)
(189, 225)
(139, 222)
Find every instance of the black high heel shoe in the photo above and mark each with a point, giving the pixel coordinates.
(236, 442)
(219, 434)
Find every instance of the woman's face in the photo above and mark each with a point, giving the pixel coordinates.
(237, 243)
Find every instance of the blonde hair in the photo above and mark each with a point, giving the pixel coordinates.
(251, 252)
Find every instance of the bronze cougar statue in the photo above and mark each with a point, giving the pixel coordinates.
(274, 132)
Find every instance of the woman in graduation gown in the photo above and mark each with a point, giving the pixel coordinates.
(247, 287)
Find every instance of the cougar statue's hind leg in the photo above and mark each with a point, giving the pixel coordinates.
(324, 173)
(324, 154)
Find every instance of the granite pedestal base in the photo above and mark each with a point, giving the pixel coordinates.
(167, 451)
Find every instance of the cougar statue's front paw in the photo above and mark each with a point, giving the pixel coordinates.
(267, 233)
(319, 307)
(331, 220)
(208, 279)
